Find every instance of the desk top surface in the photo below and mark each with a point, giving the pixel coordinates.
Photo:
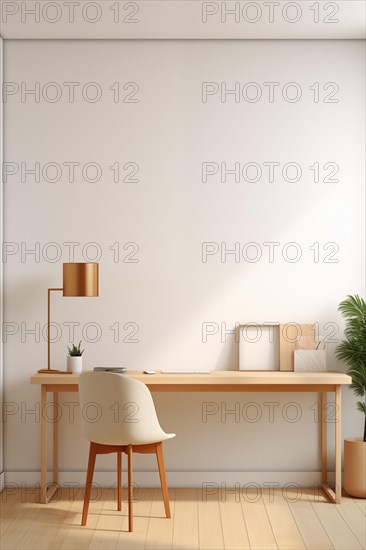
(217, 377)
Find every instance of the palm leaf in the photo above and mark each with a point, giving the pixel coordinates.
(353, 307)
(352, 350)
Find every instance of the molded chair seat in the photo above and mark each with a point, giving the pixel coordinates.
(118, 415)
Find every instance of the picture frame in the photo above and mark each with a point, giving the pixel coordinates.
(271, 346)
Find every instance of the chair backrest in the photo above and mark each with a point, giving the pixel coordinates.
(117, 410)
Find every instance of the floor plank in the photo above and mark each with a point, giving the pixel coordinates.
(260, 532)
(19, 527)
(160, 530)
(141, 518)
(309, 525)
(47, 523)
(74, 536)
(209, 520)
(354, 518)
(335, 526)
(233, 522)
(109, 523)
(18, 513)
(284, 527)
(361, 504)
(185, 530)
(8, 499)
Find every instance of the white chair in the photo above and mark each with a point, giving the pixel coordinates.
(118, 415)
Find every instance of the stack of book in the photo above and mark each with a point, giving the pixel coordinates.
(110, 369)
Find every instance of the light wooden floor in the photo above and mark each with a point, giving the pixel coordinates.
(226, 520)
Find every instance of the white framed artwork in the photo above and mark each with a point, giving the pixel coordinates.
(259, 347)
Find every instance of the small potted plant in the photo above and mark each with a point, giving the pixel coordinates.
(75, 359)
(352, 351)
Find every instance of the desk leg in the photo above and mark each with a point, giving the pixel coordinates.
(334, 496)
(55, 437)
(43, 445)
(324, 437)
(338, 446)
(48, 492)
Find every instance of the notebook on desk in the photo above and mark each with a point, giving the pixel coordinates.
(110, 369)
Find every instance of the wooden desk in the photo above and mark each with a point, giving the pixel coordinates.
(216, 381)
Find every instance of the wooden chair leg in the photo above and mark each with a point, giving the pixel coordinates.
(130, 489)
(119, 481)
(164, 488)
(89, 480)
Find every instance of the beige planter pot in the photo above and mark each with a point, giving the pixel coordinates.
(355, 467)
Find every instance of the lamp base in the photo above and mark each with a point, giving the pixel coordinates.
(53, 371)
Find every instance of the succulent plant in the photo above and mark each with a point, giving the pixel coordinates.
(75, 351)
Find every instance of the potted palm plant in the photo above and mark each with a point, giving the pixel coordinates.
(352, 351)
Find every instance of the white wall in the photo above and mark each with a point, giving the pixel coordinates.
(180, 19)
(2, 475)
(170, 292)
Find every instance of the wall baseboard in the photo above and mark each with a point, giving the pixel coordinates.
(179, 479)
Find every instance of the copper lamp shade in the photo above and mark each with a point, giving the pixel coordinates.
(80, 279)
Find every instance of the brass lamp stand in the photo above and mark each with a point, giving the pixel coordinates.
(79, 279)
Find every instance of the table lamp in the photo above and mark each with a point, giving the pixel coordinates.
(79, 279)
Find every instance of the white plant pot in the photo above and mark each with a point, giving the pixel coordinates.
(74, 364)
